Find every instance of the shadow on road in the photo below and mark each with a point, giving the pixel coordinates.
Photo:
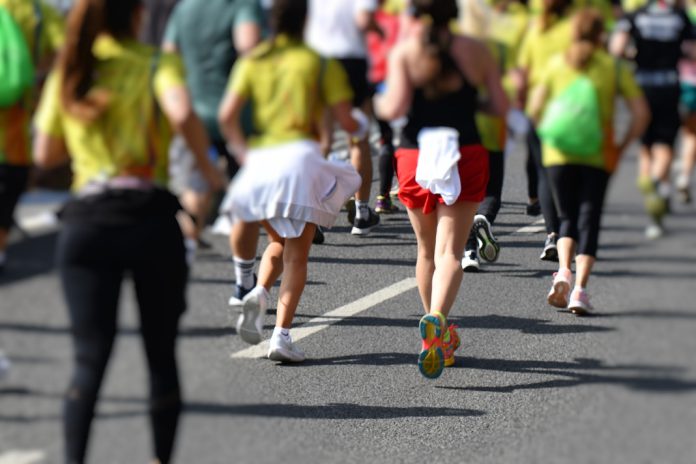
(29, 258)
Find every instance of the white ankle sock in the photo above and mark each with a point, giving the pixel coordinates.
(281, 332)
(361, 210)
(244, 272)
(664, 189)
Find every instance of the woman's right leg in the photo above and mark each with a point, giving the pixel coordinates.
(271, 267)
(91, 285)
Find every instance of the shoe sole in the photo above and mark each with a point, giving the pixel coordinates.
(363, 231)
(431, 362)
(246, 324)
(282, 355)
(489, 249)
(579, 309)
(558, 297)
(471, 268)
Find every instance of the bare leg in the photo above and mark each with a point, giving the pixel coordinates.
(244, 239)
(271, 266)
(566, 250)
(583, 265)
(361, 159)
(663, 156)
(644, 162)
(295, 257)
(449, 249)
(425, 228)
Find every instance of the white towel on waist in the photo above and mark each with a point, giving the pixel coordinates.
(438, 155)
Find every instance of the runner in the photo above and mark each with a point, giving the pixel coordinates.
(432, 77)
(102, 106)
(232, 27)
(41, 29)
(337, 29)
(285, 184)
(659, 32)
(687, 79)
(548, 35)
(578, 90)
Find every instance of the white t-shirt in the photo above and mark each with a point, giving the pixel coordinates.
(332, 30)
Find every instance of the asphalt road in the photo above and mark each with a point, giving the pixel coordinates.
(531, 384)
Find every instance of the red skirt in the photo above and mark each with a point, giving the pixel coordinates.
(473, 173)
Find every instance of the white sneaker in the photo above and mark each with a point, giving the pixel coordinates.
(250, 322)
(284, 350)
(470, 261)
(654, 231)
(4, 366)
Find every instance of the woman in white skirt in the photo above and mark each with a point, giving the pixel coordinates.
(285, 184)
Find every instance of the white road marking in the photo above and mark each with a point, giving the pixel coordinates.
(22, 457)
(42, 222)
(351, 309)
(322, 322)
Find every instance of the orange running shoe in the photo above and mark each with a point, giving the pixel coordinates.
(431, 361)
(450, 344)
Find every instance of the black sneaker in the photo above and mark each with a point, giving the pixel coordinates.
(364, 225)
(534, 209)
(488, 249)
(550, 252)
(470, 261)
(684, 195)
(236, 300)
(318, 236)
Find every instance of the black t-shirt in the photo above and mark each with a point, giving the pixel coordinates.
(658, 30)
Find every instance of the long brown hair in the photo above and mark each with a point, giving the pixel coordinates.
(437, 38)
(552, 9)
(77, 63)
(588, 28)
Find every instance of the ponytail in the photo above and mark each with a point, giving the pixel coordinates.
(588, 28)
(437, 16)
(88, 19)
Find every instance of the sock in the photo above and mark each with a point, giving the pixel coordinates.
(578, 288)
(361, 209)
(244, 272)
(281, 332)
(664, 189)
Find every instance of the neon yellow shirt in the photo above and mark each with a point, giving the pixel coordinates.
(130, 137)
(602, 71)
(394, 6)
(15, 144)
(492, 128)
(289, 86)
(509, 29)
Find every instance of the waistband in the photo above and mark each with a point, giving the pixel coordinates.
(116, 183)
(657, 78)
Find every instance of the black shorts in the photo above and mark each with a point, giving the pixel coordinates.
(13, 182)
(356, 68)
(664, 108)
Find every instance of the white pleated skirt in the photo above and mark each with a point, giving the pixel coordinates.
(290, 185)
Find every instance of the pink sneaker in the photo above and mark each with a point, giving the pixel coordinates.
(580, 303)
(558, 296)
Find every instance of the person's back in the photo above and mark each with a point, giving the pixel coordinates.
(332, 27)
(209, 52)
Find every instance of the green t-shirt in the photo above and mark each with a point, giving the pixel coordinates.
(202, 31)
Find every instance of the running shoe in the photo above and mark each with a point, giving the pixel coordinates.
(489, 249)
(534, 209)
(654, 231)
(580, 303)
(450, 345)
(366, 223)
(655, 205)
(558, 295)
(350, 209)
(470, 261)
(319, 237)
(384, 205)
(550, 252)
(683, 189)
(431, 360)
(284, 350)
(250, 322)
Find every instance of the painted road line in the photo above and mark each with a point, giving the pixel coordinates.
(22, 457)
(37, 223)
(533, 228)
(322, 322)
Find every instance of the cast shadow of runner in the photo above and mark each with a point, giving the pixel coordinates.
(582, 371)
(30, 257)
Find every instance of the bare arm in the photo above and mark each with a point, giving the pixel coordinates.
(49, 151)
(538, 102)
(229, 119)
(176, 105)
(619, 43)
(246, 36)
(640, 118)
(396, 102)
(341, 113)
(497, 104)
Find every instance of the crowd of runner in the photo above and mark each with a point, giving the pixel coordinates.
(249, 105)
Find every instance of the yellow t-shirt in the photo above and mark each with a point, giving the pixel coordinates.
(603, 6)
(602, 72)
(288, 86)
(492, 128)
(131, 136)
(509, 28)
(15, 146)
(395, 6)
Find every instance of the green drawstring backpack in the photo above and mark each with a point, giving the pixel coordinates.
(572, 121)
(16, 65)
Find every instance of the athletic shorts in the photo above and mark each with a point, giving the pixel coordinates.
(356, 68)
(473, 174)
(664, 108)
(13, 182)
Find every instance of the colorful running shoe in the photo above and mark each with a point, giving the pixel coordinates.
(384, 205)
(450, 344)
(655, 205)
(431, 360)
(580, 303)
(489, 249)
(558, 296)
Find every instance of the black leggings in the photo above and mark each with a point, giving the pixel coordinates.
(92, 261)
(548, 208)
(386, 158)
(579, 193)
(490, 206)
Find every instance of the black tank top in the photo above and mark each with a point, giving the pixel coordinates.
(455, 109)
